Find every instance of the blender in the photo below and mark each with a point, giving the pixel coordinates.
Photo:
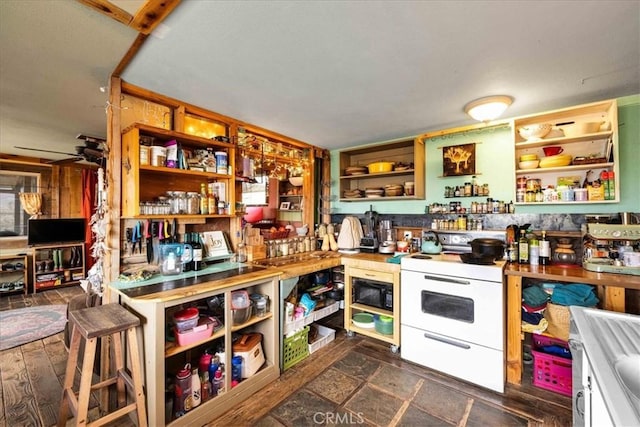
(387, 239)
(369, 243)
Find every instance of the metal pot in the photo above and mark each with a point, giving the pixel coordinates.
(487, 248)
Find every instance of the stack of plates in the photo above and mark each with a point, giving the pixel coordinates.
(356, 170)
(374, 192)
(558, 160)
(391, 190)
(353, 194)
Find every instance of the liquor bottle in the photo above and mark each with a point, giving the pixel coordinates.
(186, 266)
(205, 392)
(545, 250)
(213, 203)
(204, 199)
(197, 252)
(523, 249)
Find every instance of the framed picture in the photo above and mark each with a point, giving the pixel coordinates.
(284, 206)
(459, 160)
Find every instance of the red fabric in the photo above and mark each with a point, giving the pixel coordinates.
(89, 182)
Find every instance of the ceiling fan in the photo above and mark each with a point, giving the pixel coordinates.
(92, 151)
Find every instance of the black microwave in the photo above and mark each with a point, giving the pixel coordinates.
(372, 293)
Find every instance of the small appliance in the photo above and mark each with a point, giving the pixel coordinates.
(387, 238)
(611, 248)
(373, 293)
(369, 242)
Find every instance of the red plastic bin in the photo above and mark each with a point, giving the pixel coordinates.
(550, 372)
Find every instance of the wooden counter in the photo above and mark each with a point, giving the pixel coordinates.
(611, 290)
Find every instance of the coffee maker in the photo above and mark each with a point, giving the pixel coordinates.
(369, 242)
(386, 238)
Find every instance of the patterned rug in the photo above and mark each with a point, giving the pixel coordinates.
(24, 325)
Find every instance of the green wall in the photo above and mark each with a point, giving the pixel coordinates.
(495, 165)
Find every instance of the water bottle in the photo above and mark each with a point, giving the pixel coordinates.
(236, 368)
(195, 387)
(184, 400)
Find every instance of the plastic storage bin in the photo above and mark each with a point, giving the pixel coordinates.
(296, 348)
(202, 331)
(550, 372)
(249, 347)
(325, 336)
(324, 312)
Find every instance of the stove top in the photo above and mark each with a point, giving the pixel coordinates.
(452, 265)
(457, 241)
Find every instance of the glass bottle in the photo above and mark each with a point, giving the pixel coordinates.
(545, 249)
(523, 248)
(242, 253)
(212, 200)
(204, 201)
(197, 252)
(534, 251)
(187, 266)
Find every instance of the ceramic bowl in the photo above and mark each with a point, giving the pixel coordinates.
(529, 164)
(534, 132)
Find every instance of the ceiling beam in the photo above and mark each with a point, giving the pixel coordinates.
(109, 9)
(149, 16)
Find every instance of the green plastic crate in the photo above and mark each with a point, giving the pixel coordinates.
(296, 348)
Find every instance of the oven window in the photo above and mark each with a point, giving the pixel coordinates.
(449, 306)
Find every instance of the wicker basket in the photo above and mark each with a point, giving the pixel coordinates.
(275, 235)
(558, 317)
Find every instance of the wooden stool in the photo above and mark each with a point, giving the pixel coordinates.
(93, 323)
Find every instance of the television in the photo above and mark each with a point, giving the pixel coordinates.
(54, 231)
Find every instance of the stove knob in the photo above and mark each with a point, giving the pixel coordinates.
(616, 233)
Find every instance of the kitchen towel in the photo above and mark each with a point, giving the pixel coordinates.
(574, 294)
(534, 296)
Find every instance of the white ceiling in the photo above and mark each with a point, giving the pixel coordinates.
(331, 73)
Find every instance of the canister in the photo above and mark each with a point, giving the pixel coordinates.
(158, 155)
(144, 155)
(580, 194)
(533, 184)
(221, 162)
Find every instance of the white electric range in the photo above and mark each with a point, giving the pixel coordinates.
(453, 317)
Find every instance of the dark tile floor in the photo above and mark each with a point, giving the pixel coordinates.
(358, 389)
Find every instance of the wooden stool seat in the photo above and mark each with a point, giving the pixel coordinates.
(109, 320)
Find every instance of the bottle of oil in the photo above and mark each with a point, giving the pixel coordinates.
(523, 248)
(204, 199)
(545, 249)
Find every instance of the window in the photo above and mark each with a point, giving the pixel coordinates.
(13, 219)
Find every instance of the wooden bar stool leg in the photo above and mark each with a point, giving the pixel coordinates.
(136, 375)
(85, 381)
(116, 342)
(67, 388)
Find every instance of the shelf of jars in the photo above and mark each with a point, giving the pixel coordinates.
(156, 160)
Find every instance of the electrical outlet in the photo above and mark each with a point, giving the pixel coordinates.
(408, 235)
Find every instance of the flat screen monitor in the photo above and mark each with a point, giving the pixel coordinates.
(54, 231)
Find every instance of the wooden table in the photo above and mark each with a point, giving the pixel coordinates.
(611, 290)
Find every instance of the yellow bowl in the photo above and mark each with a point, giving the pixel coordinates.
(556, 161)
(528, 157)
(380, 167)
(529, 164)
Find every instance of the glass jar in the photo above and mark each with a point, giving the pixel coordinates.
(242, 253)
(278, 245)
(193, 203)
(180, 202)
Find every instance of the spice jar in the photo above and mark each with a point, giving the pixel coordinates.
(193, 203)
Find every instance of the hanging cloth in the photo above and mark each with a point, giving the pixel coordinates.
(89, 182)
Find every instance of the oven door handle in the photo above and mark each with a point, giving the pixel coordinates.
(447, 341)
(447, 279)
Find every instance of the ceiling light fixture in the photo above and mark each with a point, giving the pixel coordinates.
(488, 108)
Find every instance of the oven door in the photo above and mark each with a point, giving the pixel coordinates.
(467, 309)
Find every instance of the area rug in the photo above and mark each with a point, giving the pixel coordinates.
(24, 325)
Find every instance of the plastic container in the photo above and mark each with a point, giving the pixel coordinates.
(383, 324)
(249, 348)
(326, 335)
(550, 372)
(186, 319)
(324, 312)
(240, 299)
(296, 348)
(203, 330)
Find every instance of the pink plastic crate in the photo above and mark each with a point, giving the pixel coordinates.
(550, 372)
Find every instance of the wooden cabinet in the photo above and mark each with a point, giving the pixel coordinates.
(163, 357)
(142, 183)
(13, 274)
(377, 273)
(60, 265)
(408, 157)
(591, 151)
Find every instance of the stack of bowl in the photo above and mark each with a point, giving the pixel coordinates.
(353, 194)
(528, 161)
(356, 170)
(534, 132)
(374, 192)
(393, 190)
